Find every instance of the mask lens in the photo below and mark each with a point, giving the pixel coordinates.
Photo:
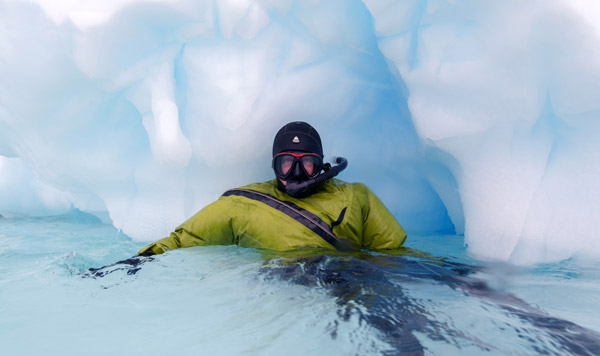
(286, 163)
(283, 164)
(311, 164)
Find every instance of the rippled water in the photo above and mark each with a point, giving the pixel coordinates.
(229, 300)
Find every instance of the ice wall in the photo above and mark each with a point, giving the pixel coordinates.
(506, 94)
(461, 115)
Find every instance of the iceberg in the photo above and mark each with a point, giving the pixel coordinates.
(479, 119)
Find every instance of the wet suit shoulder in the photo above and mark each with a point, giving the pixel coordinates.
(350, 210)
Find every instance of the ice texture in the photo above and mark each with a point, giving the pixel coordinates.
(475, 117)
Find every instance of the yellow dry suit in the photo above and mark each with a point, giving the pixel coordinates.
(261, 216)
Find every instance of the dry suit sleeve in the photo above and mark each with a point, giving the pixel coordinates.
(210, 226)
(380, 228)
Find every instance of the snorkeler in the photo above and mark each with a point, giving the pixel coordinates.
(304, 206)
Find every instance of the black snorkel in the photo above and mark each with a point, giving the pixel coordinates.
(299, 189)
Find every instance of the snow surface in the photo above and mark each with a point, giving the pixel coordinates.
(477, 117)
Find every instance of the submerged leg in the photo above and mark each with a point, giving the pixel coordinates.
(372, 288)
(361, 289)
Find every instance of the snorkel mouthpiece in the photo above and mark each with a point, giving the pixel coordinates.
(299, 189)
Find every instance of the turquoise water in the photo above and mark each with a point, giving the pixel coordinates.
(226, 300)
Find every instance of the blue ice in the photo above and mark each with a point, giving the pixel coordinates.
(479, 119)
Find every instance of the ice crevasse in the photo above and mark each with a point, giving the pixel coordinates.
(479, 118)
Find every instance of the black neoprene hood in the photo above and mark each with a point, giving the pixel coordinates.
(297, 136)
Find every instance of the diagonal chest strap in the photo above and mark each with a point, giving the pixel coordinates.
(304, 217)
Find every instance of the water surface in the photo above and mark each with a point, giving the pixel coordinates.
(226, 300)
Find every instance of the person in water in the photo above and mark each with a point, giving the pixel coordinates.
(304, 206)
